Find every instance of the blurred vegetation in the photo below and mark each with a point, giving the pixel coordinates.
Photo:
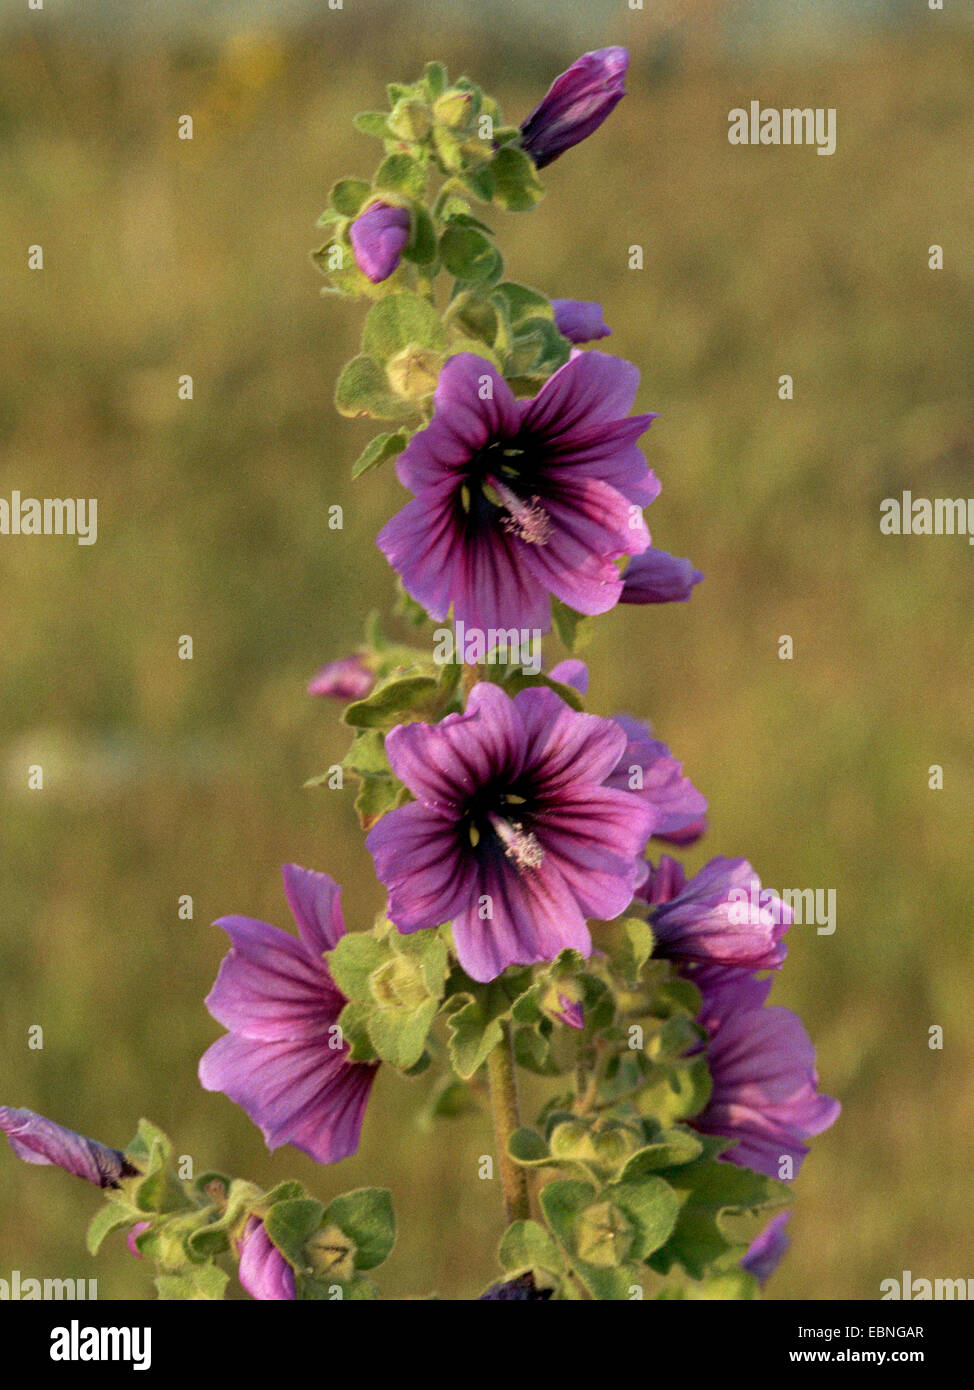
(165, 777)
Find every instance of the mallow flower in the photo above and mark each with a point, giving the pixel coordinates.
(762, 1063)
(378, 239)
(38, 1140)
(579, 320)
(263, 1270)
(722, 916)
(513, 835)
(283, 1060)
(576, 104)
(657, 577)
(517, 500)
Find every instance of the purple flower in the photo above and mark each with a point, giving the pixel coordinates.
(576, 104)
(664, 882)
(518, 500)
(283, 1060)
(346, 679)
(378, 237)
(513, 835)
(38, 1140)
(263, 1272)
(523, 1289)
(656, 577)
(767, 1250)
(765, 1087)
(722, 917)
(579, 320)
(659, 780)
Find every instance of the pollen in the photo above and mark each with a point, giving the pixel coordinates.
(520, 845)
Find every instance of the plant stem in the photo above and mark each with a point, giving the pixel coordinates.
(503, 1105)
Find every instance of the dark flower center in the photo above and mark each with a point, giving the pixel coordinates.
(497, 824)
(502, 489)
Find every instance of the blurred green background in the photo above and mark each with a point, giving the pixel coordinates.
(165, 777)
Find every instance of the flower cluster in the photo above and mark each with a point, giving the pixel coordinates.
(509, 828)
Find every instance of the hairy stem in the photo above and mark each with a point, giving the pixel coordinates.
(503, 1106)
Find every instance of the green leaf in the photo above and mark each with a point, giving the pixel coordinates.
(421, 247)
(363, 389)
(526, 1245)
(376, 797)
(366, 1217)
(571, 1209)
(353, 961)
(521, 302)
(400, 321)
(468, 254)
(348, 195)
(373, 123)
(435, 80)
(198, 1283)
(516, 184)
(713, 1195)
(479, 179)
(653, 1208)
(673, 1148)
(354, 1023)
(398, 1036)
(367, 755)
(382, 447)
(528, 1148)
(678, 1090)
(476, 1026)
(400, 173)
(395, 702)
(628, 943)
(450, 1099)
(290, 1224)
(105, 1220)
(574, 629)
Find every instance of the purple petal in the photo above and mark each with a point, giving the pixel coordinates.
(346, 679)
(767, 1250)
(38, 1140)
(263, 1272)
(722, 916)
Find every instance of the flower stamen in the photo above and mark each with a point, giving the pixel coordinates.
(520, 845)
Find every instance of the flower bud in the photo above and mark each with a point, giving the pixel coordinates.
(38, 1140)
(579, 320)
(656, 577)
(576, 104)
(603, 1236)
(411, 119)
(346, 679)
(455, 109)
(414, 372)
(378, 239)
(331, 1255)
(263, 1272)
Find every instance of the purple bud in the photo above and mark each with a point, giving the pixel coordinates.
(378, 238)
(576, 104)
(766, 1250)
(346, 679)
(656, 577)
(664, 882)
(523, 1289)
(264, 1272)
(133, 1236)
(37, 1140)
(570, 1011)
(579, 320)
